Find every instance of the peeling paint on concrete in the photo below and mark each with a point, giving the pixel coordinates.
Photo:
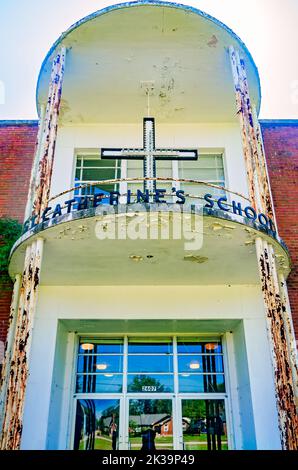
(9, 345)
(278, 316)
(240, 110)
(50, 128)
(284, 384)
(213, 41)
(17, 364)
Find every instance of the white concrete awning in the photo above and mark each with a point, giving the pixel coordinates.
(183, 51)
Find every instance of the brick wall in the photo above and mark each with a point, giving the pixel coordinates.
(281, 146)
(17, 144)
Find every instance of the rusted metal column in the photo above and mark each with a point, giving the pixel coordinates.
(290, 333)
(280, 332)
(18, 368)
(283, 377)
(241, 112)
(35, 164)
(264, 177)
(260, 186)
(43, 180)
(9, 345)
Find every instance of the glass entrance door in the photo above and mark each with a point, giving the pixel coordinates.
(203, 424)
(150, 424)
(97, 424)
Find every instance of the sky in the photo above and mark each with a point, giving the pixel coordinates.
(269, 29)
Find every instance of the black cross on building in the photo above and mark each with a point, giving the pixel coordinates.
(149, 154)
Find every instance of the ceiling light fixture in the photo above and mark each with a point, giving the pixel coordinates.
(211, 346)
(87, 346)
(194, 365)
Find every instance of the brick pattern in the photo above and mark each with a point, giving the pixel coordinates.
(17, 145)
(281, 147)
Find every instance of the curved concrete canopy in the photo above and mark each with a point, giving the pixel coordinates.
(181, 49)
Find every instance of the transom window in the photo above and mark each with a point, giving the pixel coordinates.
(150, 365)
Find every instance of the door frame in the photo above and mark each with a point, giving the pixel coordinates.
(98, 396)
(201, 396)
(149, 396)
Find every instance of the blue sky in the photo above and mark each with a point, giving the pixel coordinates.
(268, 27)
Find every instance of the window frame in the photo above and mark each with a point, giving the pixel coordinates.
(92, 154)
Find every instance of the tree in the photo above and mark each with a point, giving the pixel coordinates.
(10, 231)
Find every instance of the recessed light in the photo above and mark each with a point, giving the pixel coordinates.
(211, 346)
(101, 366)
(87, 346)
(194, 365)
(109, 375)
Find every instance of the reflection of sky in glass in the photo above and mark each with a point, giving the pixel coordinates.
(150, 363)
(209, 364)
(192, 383)
(100, 363)
(102, 405)
(103, 348)
(187, 347)
(151, 348)
(99, 383)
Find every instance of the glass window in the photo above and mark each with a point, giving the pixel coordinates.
(150, 365)
(208, 168)
(97, 424)
(200, 366)
(99, 383)
(201, 383)
(91, 168)
(153, 383)
(100, 365)
(150, 345)
(150, 425)
(204, 425)
(135, 169)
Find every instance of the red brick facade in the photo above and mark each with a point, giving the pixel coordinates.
(281, 146)
(17, 143)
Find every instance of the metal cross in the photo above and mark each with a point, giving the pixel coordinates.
(149, 154)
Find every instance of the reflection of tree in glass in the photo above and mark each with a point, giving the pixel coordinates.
(150, 406)
(140, 381)
(195, 413)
